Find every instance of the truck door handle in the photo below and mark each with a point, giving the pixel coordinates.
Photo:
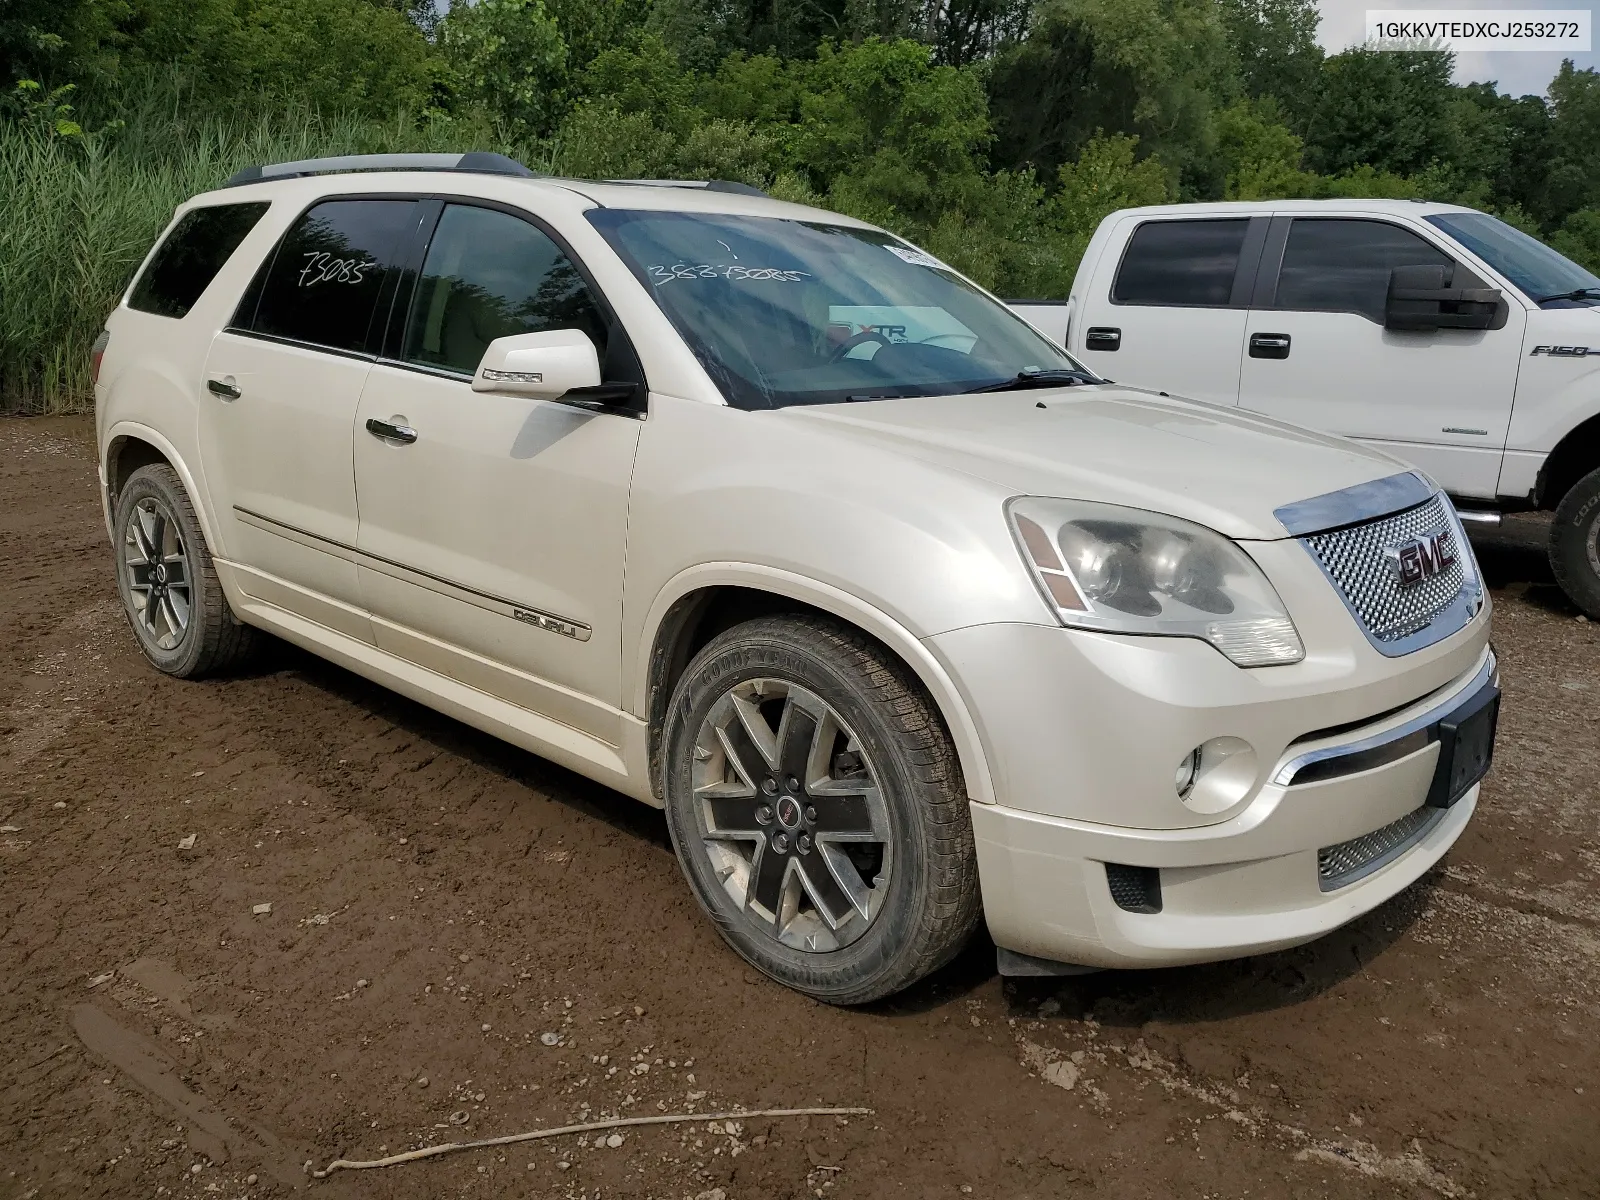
(1269, 345)
(389, 432)
(1102, 337)
(226, 390)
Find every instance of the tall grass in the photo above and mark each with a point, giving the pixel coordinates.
(78, 214)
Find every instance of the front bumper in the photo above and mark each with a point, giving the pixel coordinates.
(1089, 783)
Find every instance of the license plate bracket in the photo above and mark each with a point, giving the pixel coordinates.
(1466, 747)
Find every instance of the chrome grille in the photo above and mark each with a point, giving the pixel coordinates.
(1354, 559)
(1341, 865)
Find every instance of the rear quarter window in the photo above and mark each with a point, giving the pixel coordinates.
(184, 265)
(1181, 263)
(322, 286)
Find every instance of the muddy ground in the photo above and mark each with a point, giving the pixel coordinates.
(441, 902)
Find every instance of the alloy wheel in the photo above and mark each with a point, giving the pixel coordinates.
(792, 815)
(159, 580)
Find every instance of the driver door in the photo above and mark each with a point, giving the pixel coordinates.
(1317, 352)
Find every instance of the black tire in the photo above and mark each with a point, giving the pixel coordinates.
(929, 906)
(211, 640)
(1575, 544)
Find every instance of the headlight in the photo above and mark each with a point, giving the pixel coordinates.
(1124, 570)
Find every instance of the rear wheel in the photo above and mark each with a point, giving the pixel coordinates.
(817, 807)
(168, 584)
(1575, 544)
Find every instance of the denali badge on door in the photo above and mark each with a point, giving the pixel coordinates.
(1420, 557)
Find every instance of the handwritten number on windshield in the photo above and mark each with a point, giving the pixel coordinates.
(731, 271)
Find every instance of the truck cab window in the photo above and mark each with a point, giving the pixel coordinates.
(1181, 263)
(1335, 264)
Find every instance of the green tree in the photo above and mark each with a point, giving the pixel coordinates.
(509, 56)
(1275, 45)
(1579, 238)
(1574, 180)
(1154, 69)
(1261, 157)
(1389, 111)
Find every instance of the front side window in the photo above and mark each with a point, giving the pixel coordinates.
(184, 265)
(783, 312)
(322, 286)
(1181, 263)
(1335, 264)
(1543, 274)
(490, 275)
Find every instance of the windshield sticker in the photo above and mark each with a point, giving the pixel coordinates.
(731, 271)
(917, 258)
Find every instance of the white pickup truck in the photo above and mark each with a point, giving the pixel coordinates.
(1435, 332)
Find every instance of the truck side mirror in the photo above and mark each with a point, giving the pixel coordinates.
(1421, 299)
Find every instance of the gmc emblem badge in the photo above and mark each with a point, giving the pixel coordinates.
(1421, 557)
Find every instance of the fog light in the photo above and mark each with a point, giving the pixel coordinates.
(1216, 775)
(1187, 770)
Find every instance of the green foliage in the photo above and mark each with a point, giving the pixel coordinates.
(46, 110)
(81, 211)
(1387, 111)
(510, 57)
(1275, 45)
(997, 133)
(1154, 69)
(1260, 157)
(1579, 238)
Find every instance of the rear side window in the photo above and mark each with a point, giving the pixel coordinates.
(184, 265)
(490, 275)
(1343, 265)
(323, 284)
(1189, 263)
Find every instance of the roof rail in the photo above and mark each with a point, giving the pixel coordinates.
(476, 161)
(708, 185)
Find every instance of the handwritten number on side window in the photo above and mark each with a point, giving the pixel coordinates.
(731, 271)
(322, 267)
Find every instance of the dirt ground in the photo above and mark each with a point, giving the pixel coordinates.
(444, 906)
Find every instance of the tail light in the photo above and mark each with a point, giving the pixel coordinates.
(97, 353)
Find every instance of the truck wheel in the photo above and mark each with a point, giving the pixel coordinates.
(1575, 544)
(817, 808)
(168, 585)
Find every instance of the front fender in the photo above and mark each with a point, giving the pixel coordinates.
(912, 651)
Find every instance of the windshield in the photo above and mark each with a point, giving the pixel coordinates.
(783, 312)
(1539, 271)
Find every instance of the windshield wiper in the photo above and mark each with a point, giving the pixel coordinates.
(1583, 293)
(1056, 377)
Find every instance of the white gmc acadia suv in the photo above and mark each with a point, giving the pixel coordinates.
(761, 515)
(1435, 332)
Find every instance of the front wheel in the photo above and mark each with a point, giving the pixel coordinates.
(817, 808)
(1575, 544)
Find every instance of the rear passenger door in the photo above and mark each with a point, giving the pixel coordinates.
(492, 539)
(1171, 316)
(1319, 354)
(278, 403)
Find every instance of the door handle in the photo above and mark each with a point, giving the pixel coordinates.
(1269, 345)
(389, 432)
(226, 390)
(1102, 337)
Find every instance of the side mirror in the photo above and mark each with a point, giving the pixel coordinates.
(1421, 299)
(548, 364)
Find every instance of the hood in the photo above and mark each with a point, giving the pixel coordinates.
(1220, 467)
